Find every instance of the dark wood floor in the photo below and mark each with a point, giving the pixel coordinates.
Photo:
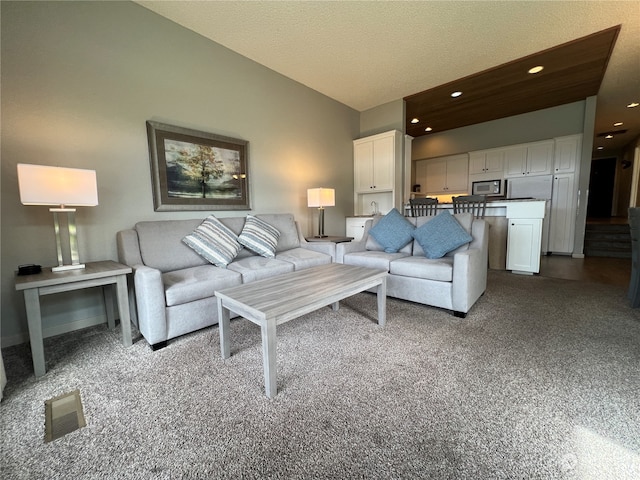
(612, 271)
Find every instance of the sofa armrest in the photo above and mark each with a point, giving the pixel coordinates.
(328, 248)
(128, 247)
(355, 245)
(470, 270)
(150, 300)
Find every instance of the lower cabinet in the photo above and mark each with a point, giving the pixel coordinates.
(524, 240)
(355, 227)
(563, 213)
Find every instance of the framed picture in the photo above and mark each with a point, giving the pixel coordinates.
(193, 170)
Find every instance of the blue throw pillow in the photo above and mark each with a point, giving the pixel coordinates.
(392, 231)
(441, 235)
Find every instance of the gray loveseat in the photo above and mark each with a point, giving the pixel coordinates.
(174, 286)
(454, 282)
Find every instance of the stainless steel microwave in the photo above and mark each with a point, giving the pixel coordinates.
(490, 188)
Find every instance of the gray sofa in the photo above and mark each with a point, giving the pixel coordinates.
(174, 287)
(454, 282)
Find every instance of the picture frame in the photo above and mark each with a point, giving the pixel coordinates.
(195, 170)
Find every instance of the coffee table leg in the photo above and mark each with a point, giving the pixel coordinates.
(223, 327)
(269, 357)
(382, 302)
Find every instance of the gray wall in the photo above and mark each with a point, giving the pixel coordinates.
(385, 117)
(529, 127)
(79, 80)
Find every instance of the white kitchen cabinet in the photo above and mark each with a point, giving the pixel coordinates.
(529, 159)
(567, 153)
(487, 161)
(377, 164)
(444, 175)
(524, 239)
(563, 213)
(355, 227)
(564, 199)
(374, 163)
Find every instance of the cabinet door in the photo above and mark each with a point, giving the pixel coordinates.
(567, 152)
(494, 162)
(355, 227)
(457, 174)
(363, 166)
(515, 161)
(436, 176)
(421, 174)
(563, 214)
(383, 163)
(477, 163)
(539, 158)
(524, 240)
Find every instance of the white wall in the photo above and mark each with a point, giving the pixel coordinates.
(79, 80)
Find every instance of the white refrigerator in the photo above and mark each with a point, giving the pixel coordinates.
(538, 187)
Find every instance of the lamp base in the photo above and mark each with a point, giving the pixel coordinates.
(64, 268)
(320, 236)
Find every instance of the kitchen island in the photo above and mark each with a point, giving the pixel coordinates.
(515, 235)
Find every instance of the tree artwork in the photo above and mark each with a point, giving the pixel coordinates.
(201, 164)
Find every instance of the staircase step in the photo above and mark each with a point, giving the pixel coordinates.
(604, 240)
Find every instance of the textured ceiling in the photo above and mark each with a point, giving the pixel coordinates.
(365, 53)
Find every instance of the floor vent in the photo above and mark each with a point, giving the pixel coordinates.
(63, 414)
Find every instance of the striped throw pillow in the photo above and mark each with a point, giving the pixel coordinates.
(260, 237)
(214, 242)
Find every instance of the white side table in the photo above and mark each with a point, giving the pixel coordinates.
(95, 274)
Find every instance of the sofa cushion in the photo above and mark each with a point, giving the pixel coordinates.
(442, 234)
(393, 231)
(302, 258)
(286, 225)
(440, 269)
(372, 259)
(260, 237)
(161, 245)
(191, 284)
(214, 241)
(257, 268)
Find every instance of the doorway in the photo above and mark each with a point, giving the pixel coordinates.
(601, 183)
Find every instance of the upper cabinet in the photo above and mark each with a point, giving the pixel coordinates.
(443, 175)
(374, 163)
(567, 153)
(529, 159)
(377, 172)
(486, 161)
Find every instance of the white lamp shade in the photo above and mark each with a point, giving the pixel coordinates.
(45, 185)
(321, 197)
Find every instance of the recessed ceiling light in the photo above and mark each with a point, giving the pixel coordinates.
(608, 136)
(618, 124)
(600, 147)
(456, 94)
(537, 69)
(414, 120)
(633, 105)
(428, 129)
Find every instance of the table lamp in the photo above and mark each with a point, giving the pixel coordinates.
(321, 197)
(60, 188)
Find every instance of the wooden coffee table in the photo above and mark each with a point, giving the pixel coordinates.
(277, 300)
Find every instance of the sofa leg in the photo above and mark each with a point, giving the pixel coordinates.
(460, 314)
(158, 346)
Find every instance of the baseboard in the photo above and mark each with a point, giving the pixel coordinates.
(55, 330)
